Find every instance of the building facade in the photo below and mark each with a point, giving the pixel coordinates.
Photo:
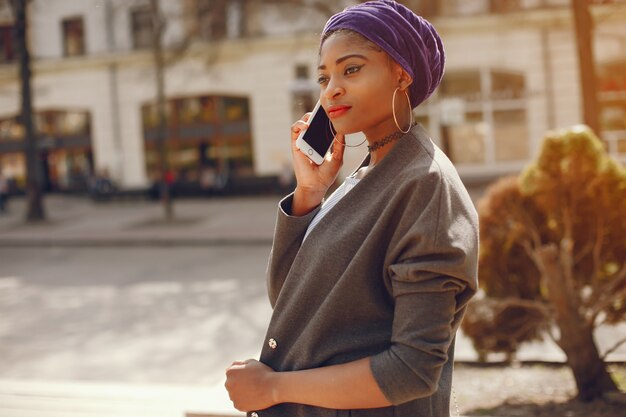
(238, 73)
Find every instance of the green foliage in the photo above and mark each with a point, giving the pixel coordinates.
(573, 192)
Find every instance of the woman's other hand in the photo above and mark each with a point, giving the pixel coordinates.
(249, 385)
(313, 181)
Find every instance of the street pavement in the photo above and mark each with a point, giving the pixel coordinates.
(107, 310)
(80, 222)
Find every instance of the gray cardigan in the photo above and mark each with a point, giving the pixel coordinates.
(386, 273)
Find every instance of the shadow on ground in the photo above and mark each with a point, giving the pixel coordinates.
(571, 408)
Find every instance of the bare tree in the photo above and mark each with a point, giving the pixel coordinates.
(35, 210)
(158, 28)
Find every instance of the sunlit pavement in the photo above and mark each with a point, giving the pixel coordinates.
(24, 398)
(106, 311)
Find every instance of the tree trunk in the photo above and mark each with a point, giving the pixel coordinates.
(159, 66)
(35, 210)
(583, 24)
(576, 338)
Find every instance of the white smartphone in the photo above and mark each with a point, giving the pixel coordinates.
(317, 139)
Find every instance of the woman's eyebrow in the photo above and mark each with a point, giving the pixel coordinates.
(343, 58)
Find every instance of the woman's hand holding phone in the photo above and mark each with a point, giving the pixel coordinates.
(312, 180)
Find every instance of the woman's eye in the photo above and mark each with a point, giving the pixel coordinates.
(322, 79)
(353, 69)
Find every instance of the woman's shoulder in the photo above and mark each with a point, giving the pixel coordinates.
(427, 160)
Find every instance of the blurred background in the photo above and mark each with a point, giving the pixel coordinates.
(144, 145)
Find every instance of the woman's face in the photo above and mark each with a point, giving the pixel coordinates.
(357, 84)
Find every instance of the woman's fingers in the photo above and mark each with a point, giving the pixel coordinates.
(339, 148)
(299, 126)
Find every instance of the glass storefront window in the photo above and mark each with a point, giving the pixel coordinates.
(235, 109)
(63, 144)
(190, 110)
(208, 141)
(73, 123)
(13, 166)
(209, 110)
(11, 130)
(150, 116)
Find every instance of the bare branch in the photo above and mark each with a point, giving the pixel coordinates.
(539, 306)
(532, 254)
(586, 250)
(175, 53)
(607, 294)
(597, 249)
(531, 227)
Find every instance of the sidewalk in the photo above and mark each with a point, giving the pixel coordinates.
(78, 221)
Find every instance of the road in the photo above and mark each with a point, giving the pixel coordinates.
(138, 331)
(132, 315)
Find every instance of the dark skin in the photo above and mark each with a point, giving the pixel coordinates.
(354, 79)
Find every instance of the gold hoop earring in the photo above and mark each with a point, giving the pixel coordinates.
(330, 126)
(393, 110)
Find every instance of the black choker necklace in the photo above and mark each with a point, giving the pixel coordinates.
(384, 141)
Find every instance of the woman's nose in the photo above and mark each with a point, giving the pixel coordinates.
(333, 90)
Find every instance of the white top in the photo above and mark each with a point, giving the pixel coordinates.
(330, 202)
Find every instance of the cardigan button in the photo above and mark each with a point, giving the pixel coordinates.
(272, 344)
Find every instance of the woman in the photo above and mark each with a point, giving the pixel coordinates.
(368, 287)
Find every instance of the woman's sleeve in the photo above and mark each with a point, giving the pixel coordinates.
(288, 234)
(432, 280)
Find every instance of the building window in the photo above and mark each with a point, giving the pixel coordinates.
(7, 46)
(483, 117)
(478, 7)
(612, 97)
(304, 92)
(73, 37)
(142, 24)
(463, 7)
(63, 147)
(219, 19)
(208, 141)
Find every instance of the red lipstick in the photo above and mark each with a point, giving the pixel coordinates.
(337, 111)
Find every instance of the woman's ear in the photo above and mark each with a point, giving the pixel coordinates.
(405, 80)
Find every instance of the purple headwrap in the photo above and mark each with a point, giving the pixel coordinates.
(408, 38)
